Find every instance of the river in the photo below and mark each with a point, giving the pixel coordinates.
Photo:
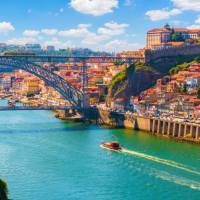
(43, 158)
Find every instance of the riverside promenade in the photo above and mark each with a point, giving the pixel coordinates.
(179, 130)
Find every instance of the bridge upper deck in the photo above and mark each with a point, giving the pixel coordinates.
(72, 59)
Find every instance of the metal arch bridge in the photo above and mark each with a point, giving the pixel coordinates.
(67, 90)
(29, 63)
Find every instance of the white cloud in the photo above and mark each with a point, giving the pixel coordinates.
(112, 28)
(58, 43)
(156, 15)
(6, 27)
(128, 2)
(107, 37)
(106, 32)
(29, 11)
(31, 33)
(176, 22)
(21, 40)
(84, 25)
(78, 32)
(187, 4)
(197, 21)
(196, 24)
(178, 7)
(49, 31)
(94, 39)
(61, 10)
(119, 45)
(94, 7)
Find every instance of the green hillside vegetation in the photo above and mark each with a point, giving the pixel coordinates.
(118, 63)
(180, 67)
(123, 75)
(140, 76)
(183, 66)
(3, 190)
(119, 78)
(198, 40)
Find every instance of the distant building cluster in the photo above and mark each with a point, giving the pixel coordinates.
(175, 95)
(48, 50)
(165, 37)
(139, 55)
(28, 88)
(161, 39)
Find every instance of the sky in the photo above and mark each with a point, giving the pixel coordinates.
(103, 25)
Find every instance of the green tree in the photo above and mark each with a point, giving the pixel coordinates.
(30, 94)
(3, 190)
(184, 89)
(198, 92)
(197, 59)
(131, 69)
(177, 37)
(118, 63)
(198, 40)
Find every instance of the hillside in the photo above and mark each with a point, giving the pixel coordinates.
(131, 81)
(139, 77)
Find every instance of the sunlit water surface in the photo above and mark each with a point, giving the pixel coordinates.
(43, 158)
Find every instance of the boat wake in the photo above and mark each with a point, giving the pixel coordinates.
(160, 160)
(177, 180)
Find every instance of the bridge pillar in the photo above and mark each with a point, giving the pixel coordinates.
(169, 128)
(67, 113)
(153, 126)
(158, 127)
(86, 101)
(197, 133)
(163, 128)
(185, 130)
(179, 130)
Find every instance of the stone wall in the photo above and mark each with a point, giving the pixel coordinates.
(142, 123)
(186, 50)
(124, 120)
(171, 129)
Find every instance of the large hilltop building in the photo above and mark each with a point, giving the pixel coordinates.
(167, 36)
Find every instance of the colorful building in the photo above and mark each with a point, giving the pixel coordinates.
(161, 37)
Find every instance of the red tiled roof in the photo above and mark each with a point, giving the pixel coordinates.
(159, 30)
(181, 30)
(175, 29)
(194, 30)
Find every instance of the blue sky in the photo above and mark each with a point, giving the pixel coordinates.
(112, 25)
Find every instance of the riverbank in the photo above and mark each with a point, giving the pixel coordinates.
(181, 131)
(178, 130)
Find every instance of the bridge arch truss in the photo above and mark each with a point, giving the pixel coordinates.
(71, 93)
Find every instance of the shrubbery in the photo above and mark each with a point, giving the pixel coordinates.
(183, 66)
(123, 75)
(119, 78)
(198, 92)
(3, 190)
(180, 67)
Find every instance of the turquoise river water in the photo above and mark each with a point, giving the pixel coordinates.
(43, 158)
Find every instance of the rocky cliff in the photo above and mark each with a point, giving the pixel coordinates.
(132, 81)
(139, 76)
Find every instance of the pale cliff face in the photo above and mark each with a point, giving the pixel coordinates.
(133, 85)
